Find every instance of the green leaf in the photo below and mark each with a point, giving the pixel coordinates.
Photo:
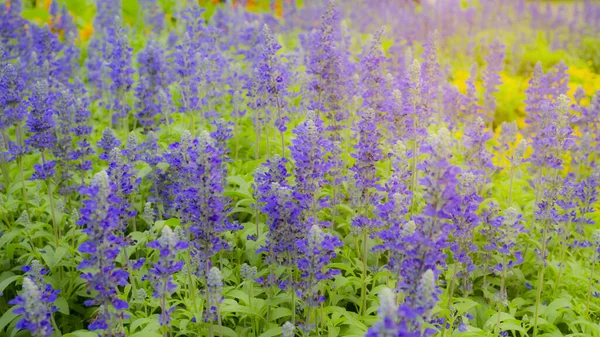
(146, 334)
(7, 280)
(81, 333)
(556, 308)
(464, 305)
(276, 331)
(35, 14)
(62, 305)
(6, 319)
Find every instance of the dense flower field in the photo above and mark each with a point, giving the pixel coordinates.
(361, 168)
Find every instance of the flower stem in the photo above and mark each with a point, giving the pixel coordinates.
(450, 298)
(540, 279)
(589, 297)
(51, 199)
(363, 295)
(502, 292)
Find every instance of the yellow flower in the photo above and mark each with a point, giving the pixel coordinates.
(86, 32)
(460, 79)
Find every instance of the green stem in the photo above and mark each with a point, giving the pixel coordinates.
(415, 159)
(363, 295)
(6, 179)
(257, 134)
(280, 132)
(540, 279)
(510, 185)
(192, 284)
(23, 190)
(254, 322)
(219, 320)
(563, 253)
(51, 198)
(292, 274)
(450, 298)
(589, 297)
(502, 293)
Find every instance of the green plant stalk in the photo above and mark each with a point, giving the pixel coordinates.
(292, 277)
(133, 217)
(268, 132)
(589, 296)
(510, 185)
(322, 320)
(270, 296)
(563, 253)
(363, 294)
(23, 190)
(254, 322)
(6, 178)
(502, 291)
(163, 307)
(257, 134)
(207, 301)
(192, 284)
(280, 132)
(51, 199)
(236, 134)
(450, 298)
(219, 320)
(256, 219)
(538, 297)
(415, 159)
(4, 166)
(192, 123)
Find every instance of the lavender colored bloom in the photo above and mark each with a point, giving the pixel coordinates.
(470, 100)
(122, 177)
(287, 330)
(317, 250)
(35, 272)
(11, 101)
(248, 273)
(154, 79)
(430, 76)
(161, 273)
(100, 215)
(36, 318)
(222, 135)
(154, 16)
(536, 93)
(372, 79)
(13, 29)
(410, 318)
(41, 118)
(107, 143)
(465, 220)
(325, 66)
(120, 71)
(309, 152)
(477, 155)
(387, 312)
(271, 79)
(558, 80)
(555, 135)
(367, 154)
(283, 220)
(214, 285)
(197, 177)
(185, 65)
(491, 78)
(43, 171)
(433, 225)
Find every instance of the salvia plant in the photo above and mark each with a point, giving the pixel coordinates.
(299, 168)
